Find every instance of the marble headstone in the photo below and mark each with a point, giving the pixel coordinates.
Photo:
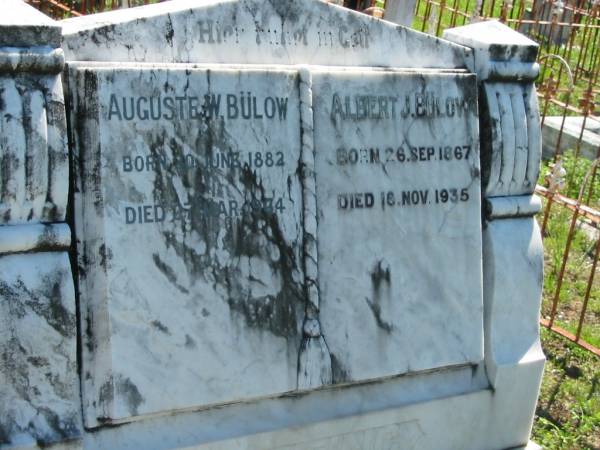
(192, 223)
(295, 227)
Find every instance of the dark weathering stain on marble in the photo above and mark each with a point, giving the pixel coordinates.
(381, 281)
(168, 272)
(100, 36)
(105, 256)
(160, 327)
(46, 301)
(381, 323)
(277, 313)
(125, 390)
(4, 435)
(380, 276)
(339, 373)
(19, 366)
(254, 234)
(130, 393)
(170, 31)
(190, 343)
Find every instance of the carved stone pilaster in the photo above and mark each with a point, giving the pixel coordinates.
(39, 391)
(504, 61)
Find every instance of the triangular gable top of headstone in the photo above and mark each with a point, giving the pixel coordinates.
(255, 32)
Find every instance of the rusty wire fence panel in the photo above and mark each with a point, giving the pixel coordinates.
(569, 85)
(61, 9)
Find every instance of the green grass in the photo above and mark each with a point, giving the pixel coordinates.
(579, 262)
(575, 281)
(568, 410)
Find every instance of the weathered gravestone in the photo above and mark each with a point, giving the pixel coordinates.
(300, 227)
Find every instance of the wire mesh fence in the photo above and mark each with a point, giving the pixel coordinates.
(61, 9)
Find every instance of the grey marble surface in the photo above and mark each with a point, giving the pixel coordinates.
(39, 386)
(34, 155)
(189, 231)
(398, 195)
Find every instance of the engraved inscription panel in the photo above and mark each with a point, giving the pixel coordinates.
(398, 193)
(189, 236)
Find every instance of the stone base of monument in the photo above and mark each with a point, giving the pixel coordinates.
(571, 134)
(478, 419)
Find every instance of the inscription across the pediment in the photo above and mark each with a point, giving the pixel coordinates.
(213, 32)
(255, 32)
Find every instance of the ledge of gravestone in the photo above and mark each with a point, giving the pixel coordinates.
(499, 42)
(501, 53)
(21, 25)
(572, 136)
